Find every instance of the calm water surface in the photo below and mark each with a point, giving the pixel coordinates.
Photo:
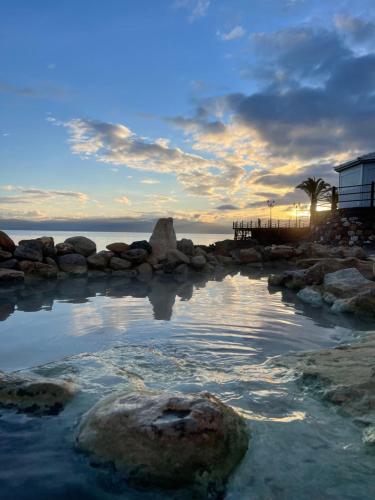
(216, 336)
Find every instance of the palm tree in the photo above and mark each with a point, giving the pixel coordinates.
(315, 190)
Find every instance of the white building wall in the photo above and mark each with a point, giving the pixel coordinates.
(348, 193)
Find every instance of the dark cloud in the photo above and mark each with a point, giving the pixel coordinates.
(359, 30)
(227, 207)
(198, 123)
(324, 170)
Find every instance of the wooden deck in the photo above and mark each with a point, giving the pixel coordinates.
(271, 232)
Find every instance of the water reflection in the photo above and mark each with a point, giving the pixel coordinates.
(162, 293)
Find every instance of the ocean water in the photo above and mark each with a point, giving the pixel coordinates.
(216, 335)
(102, 238)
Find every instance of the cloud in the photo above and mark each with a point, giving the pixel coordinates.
(358, 30)
(124, 200)
(116, 144)
(30, 194)
(197, 8)
(227, 207)
(234, 34)
(150, 181)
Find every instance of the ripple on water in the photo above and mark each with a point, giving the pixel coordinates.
(220, 340)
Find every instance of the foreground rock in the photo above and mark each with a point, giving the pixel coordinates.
(11, 276)
(37, 395)
(73, 264)
(165, 440)
(6, 243)
(343, 376)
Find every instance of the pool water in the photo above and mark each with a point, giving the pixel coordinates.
(217, 336)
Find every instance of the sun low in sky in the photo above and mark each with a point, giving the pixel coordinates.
(202, 110)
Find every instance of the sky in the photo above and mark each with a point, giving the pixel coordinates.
(116, 112)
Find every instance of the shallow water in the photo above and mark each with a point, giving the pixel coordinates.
(216, 336)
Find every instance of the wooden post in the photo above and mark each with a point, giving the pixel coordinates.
(372, 204)
(334, 199)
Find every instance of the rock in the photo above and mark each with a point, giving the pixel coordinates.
(181, 269)
(136, 255)
(64, 248)
(295, 280)
(6, 243)
(248, 255)
(362, 304)
(166, 440)
(346, 283)
(118, 247)
(29, 250)
(198, 262)
(82, 245)
(186, 246)
(343, 376)
(4, 255)
(48, 245)
(310, 296)
(11, 276)
(38, 270)
(276, 279)
(163, 238)
(50, 261)
(9, 264)
(276, 252)
(177, 257)
(145, 245)
(224, 260)
(35, 395)
(368, 435)
(198, 250)
(97, 261)
(125, 273)
(72, 263)
(144, 270)
(315, 274)
(117, 264)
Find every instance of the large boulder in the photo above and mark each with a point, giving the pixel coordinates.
(198, 262)
(118, 264)
(320, 267)
(35, 395)
(186, 246)
(249, 255)
(72, 263)
(166, 440)
(99, 260)
(11, 276)
(177, 257)
(362, 304)
(346, 283)
(6, 243)
(4, 255)
(163, 238)
(38, 270)
(136, 255)
(64, 248)
(29, 250)
(9, 264)
(118, 247)
(82, 245)
(276, 252)
(145, 245)
(48, 244)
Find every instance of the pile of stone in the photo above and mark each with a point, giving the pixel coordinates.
(346, 230)
(346, 283)
(41, 258)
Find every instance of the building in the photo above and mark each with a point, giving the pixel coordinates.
(356, 182)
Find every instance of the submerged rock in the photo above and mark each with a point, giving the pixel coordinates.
(343, 376)
(37, 395)
(166, 440)
(310, 296)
